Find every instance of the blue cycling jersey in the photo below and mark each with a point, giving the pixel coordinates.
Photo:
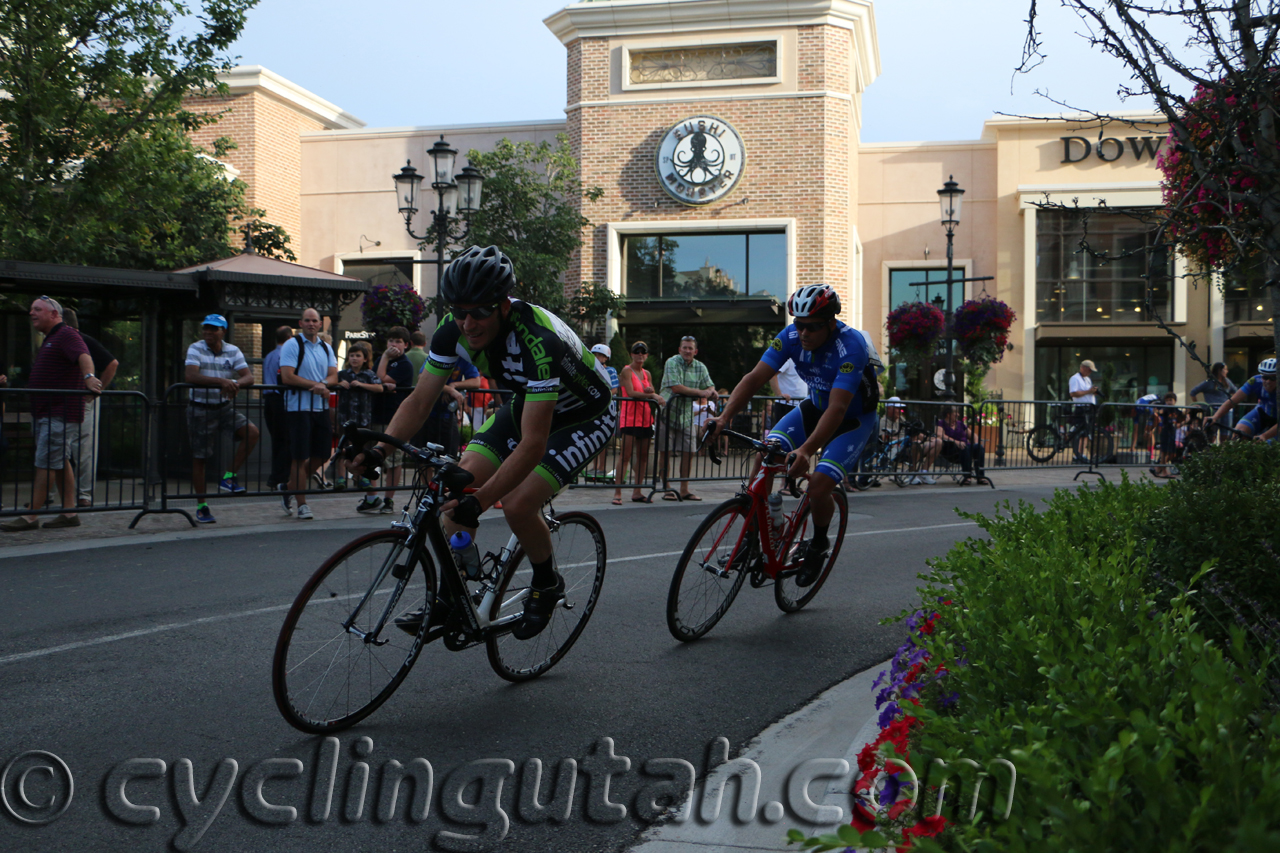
(1266, 399)
(839, 363)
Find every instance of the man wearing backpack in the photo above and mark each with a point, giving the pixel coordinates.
(309, 369)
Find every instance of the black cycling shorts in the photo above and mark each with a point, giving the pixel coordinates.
(576, 438)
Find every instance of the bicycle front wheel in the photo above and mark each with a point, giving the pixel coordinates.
(711, 570)
(787, 594)
(1097, 447)
(578, 544)
(339, 655)
(1042, 443)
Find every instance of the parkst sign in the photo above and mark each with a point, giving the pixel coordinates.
(1076, 149)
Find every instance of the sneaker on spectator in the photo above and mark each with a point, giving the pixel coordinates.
(204, 516)
(229, 484)
(368, 504)
(321, 482)
(304, 512)
(387, 508)
(925, 480)
(287, 500)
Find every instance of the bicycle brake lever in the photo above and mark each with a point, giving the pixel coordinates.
(711, 448)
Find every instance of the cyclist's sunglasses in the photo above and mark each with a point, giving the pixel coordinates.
(810, 327)
(482, 312)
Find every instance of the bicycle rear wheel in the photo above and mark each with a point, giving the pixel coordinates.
(711, 570)
(327, 676)
(578, 544)
(1042, 443)
(789, 596)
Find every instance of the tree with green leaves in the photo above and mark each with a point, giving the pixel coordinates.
(528, 209)
(96, 162)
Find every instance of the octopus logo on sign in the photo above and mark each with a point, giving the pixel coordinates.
(700, 160)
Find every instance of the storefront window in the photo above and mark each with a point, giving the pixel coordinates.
(1129, 371)
(1244, 298)
(693, 266)
(924, 286)
(385, 271)
(1090, 268)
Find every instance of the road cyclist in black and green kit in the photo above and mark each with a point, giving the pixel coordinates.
(559, 416)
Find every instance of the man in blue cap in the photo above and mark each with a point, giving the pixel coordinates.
(218, 370)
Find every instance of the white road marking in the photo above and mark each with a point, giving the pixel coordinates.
(205, 620)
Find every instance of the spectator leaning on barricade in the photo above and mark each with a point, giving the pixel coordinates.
(62, 363)
(603, 354)
(1217, 389)
(357, 385)
(1084, 393)
(417, 353)
(443, 425)
(395, 371)
(105, 365)
(635, 421)
(309, 367)
(790, 387)
(685, 379)
(218, 370)
(273, 413)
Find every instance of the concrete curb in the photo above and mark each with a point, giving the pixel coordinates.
(831, 729)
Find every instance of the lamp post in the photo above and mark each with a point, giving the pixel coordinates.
(459, 194)
(950, 197)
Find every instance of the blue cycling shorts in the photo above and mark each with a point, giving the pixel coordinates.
(840, 456)
(1257, 421)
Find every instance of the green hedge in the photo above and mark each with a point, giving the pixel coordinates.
(1130, 731)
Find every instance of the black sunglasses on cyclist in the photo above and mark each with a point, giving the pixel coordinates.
(482, 312)
(810, 327)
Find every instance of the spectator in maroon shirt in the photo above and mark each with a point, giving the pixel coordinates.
(62, 362)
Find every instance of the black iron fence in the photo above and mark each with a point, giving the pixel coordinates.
(71, 450)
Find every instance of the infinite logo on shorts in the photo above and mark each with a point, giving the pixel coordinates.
(846, 368)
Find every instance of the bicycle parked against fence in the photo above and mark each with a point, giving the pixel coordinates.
(750, 536)
(341, 653)
(1087, 441)
(889, 460)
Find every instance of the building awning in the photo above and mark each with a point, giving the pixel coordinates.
(1247, 333)
(702, 312)
(251, 268)
(82, 280)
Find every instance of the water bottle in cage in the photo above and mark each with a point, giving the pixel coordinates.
(775, 511)
(466, 554)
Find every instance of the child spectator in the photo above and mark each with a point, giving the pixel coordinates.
(1168, 419)
(357, 384)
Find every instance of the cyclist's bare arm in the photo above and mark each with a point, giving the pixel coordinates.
(1237, 397)
(411, 415)
(1269, 434)
(746, 388)
(535, 429)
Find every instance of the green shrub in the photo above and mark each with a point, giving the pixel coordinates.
(1130, 731)
(1223, 512)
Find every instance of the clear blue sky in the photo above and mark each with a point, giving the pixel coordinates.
(946, 65)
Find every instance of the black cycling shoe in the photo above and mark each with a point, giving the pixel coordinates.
(814, 559)
(538, 607)
(411, 623)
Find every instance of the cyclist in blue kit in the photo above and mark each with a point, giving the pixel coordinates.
(1261, 422)
(839, 365)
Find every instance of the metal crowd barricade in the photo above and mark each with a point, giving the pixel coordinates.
(926, 450)
(680, 426)
(1156, 435)
(105, 441)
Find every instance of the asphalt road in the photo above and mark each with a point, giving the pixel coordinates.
(85, 675)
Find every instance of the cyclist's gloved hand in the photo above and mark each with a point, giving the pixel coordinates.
(467, 512)
(374, 459)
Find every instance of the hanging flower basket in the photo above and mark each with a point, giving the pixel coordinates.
(914, 331)
(982, 330)
(395, 304)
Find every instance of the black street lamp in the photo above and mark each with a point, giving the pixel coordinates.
(950, 197)
(459, 194)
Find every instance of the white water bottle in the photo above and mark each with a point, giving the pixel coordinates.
(465, 554)
(775, 510)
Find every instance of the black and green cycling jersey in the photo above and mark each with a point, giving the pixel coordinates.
(536, 356)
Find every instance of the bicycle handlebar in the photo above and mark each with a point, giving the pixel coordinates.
(355, 438)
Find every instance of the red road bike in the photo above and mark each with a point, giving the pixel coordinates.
(738, 541)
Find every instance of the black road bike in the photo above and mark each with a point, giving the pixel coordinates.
(340, 654)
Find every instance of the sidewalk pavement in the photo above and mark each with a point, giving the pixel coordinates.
(262, 514)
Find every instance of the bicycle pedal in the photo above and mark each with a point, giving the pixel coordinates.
(719, 572)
